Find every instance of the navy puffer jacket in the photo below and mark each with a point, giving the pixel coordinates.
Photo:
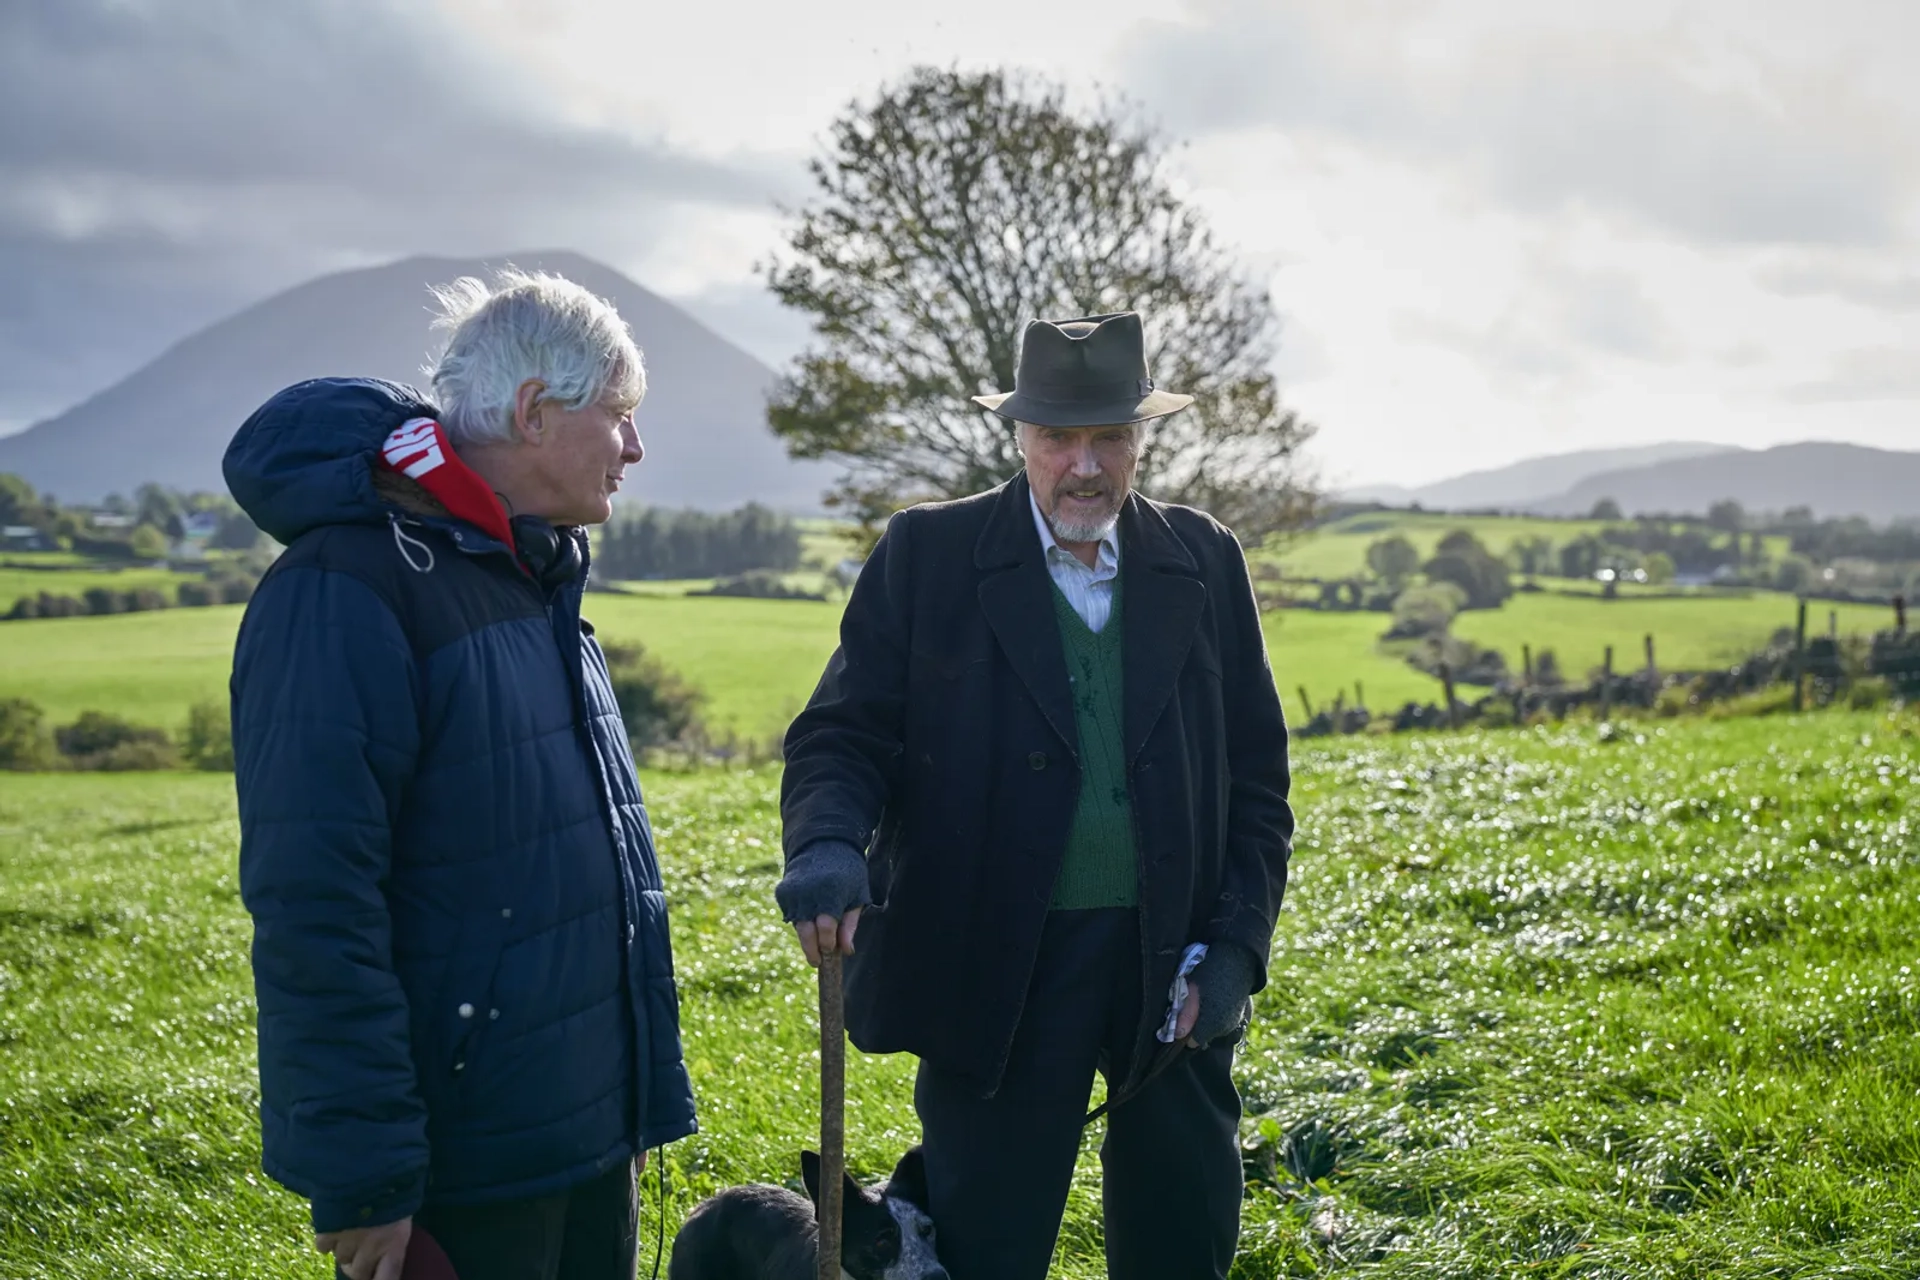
(460, 954)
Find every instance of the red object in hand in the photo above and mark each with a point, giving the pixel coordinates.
(426, 1260)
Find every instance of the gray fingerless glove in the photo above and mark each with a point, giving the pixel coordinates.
(827, 878)
(1225, 979)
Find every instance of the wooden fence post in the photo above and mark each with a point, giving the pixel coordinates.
(1606, 686)
(1833, 624)
(1306, 706)
(1800, 657)
(1526, 663)
(1900, 615)
(1651, 668)
(1446, 682)
(1360, 695)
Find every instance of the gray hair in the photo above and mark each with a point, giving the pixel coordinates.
(528, 325)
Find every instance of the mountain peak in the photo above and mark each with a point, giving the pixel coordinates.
(703, 422)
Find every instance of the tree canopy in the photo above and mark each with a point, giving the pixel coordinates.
(949, 212)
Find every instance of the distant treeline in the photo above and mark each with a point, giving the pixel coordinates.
(659, 543)
(145, 527)
(1856, 539)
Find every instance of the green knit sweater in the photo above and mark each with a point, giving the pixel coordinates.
(1099, 868)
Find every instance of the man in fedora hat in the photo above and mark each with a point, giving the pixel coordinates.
(1050, 750)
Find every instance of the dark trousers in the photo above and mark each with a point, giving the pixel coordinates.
(590, 1231)
(999, 1168)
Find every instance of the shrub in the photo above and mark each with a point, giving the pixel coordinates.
(101, 600)
(656, 702)
(1467, 662)
(23, 737)
(1393, 559)
(1464, 561)
(1793, 574)
(1420, 612)
(235, 590)
(1864, 695)
(99, 740)
(147, 542)
(208, 741)
(758, 584)
(131, 757)
(196, 595)
(142, 600)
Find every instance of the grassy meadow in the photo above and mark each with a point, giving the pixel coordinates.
(758, 660)
(1338, 549)
(1543, 1003)
(64, 575)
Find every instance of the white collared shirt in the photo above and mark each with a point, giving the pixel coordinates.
(1088, 590)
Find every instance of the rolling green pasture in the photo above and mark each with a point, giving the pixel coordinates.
(75, 580)
(1690, 633)
(758, 659)
(1542, 1004)
(1339, 549)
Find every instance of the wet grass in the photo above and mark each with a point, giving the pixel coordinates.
(1542, 1004)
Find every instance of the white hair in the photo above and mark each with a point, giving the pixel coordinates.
(528, 325)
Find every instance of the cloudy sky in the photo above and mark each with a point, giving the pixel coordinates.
(1493, 230)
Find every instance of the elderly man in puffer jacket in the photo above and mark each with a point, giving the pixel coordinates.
(467, 1012)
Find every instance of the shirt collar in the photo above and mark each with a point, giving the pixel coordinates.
(1106, 563)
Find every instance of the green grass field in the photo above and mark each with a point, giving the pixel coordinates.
(1339, 549)
(74, 581)
(758, 659)
(1541, 1004)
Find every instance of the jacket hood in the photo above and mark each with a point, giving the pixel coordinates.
(304, 459)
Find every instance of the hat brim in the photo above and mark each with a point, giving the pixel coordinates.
(1016, 407)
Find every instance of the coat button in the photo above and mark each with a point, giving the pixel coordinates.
(1037, 760)
(466, 1011)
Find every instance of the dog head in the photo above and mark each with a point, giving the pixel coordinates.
(885, 1232)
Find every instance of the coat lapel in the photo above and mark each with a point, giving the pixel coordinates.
(1016, 594)
(1163, 598)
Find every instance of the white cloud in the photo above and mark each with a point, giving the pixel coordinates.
(1493, 229)
(1869, 373)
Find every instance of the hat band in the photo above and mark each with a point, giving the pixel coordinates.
(1083, 392)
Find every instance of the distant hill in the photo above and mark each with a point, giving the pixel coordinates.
(1833, 479)
(703, 422)
(1523, 483)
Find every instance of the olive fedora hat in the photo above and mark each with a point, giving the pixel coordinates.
(1087, 372)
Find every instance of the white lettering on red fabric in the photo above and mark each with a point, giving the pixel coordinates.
(419, 439)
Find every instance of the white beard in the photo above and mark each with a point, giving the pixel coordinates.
(1082, 531)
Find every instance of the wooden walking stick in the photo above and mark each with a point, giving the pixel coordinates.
(833, 1112)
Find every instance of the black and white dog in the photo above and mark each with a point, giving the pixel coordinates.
(769, 1233)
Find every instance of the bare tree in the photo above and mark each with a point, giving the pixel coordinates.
(955, 208)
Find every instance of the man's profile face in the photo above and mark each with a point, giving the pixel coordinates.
(581, 457)
(1080, 475)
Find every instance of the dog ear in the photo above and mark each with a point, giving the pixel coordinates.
(810, 1174)
(909, 1180)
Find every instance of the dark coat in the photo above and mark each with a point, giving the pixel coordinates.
(942, 737)
(460, 954)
